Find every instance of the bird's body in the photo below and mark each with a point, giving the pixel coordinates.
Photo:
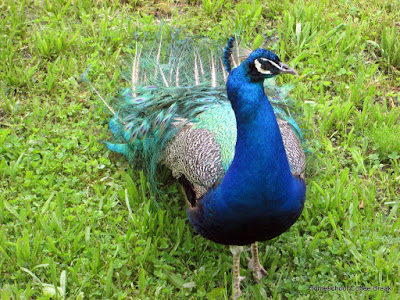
(240, 164)
(258, 198)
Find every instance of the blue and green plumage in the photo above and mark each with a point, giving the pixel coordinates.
(238, 158)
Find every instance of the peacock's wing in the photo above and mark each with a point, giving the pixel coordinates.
(293, 149)
(203, 149)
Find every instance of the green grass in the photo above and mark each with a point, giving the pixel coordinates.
(77, 221)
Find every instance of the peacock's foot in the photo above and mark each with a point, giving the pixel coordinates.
(257, 269)
(236, 251)
(236, 288)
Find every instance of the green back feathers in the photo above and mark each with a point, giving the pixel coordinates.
(220, 121)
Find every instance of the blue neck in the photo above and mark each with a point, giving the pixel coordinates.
(260, 164)
(258, 194)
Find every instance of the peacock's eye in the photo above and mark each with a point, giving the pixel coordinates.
(265, 65)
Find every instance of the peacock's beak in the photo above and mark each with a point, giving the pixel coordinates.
(285, 69)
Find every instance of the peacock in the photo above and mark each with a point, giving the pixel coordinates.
(205, 113)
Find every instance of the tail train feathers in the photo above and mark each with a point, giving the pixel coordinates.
(174, 61)
(84, 78)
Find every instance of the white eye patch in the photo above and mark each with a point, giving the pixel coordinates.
(260, 69)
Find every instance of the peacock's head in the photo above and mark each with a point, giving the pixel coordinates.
(263, 64)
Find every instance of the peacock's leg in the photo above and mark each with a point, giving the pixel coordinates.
(236, 251)
(254, 263)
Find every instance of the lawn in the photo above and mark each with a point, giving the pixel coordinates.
(76, 221)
